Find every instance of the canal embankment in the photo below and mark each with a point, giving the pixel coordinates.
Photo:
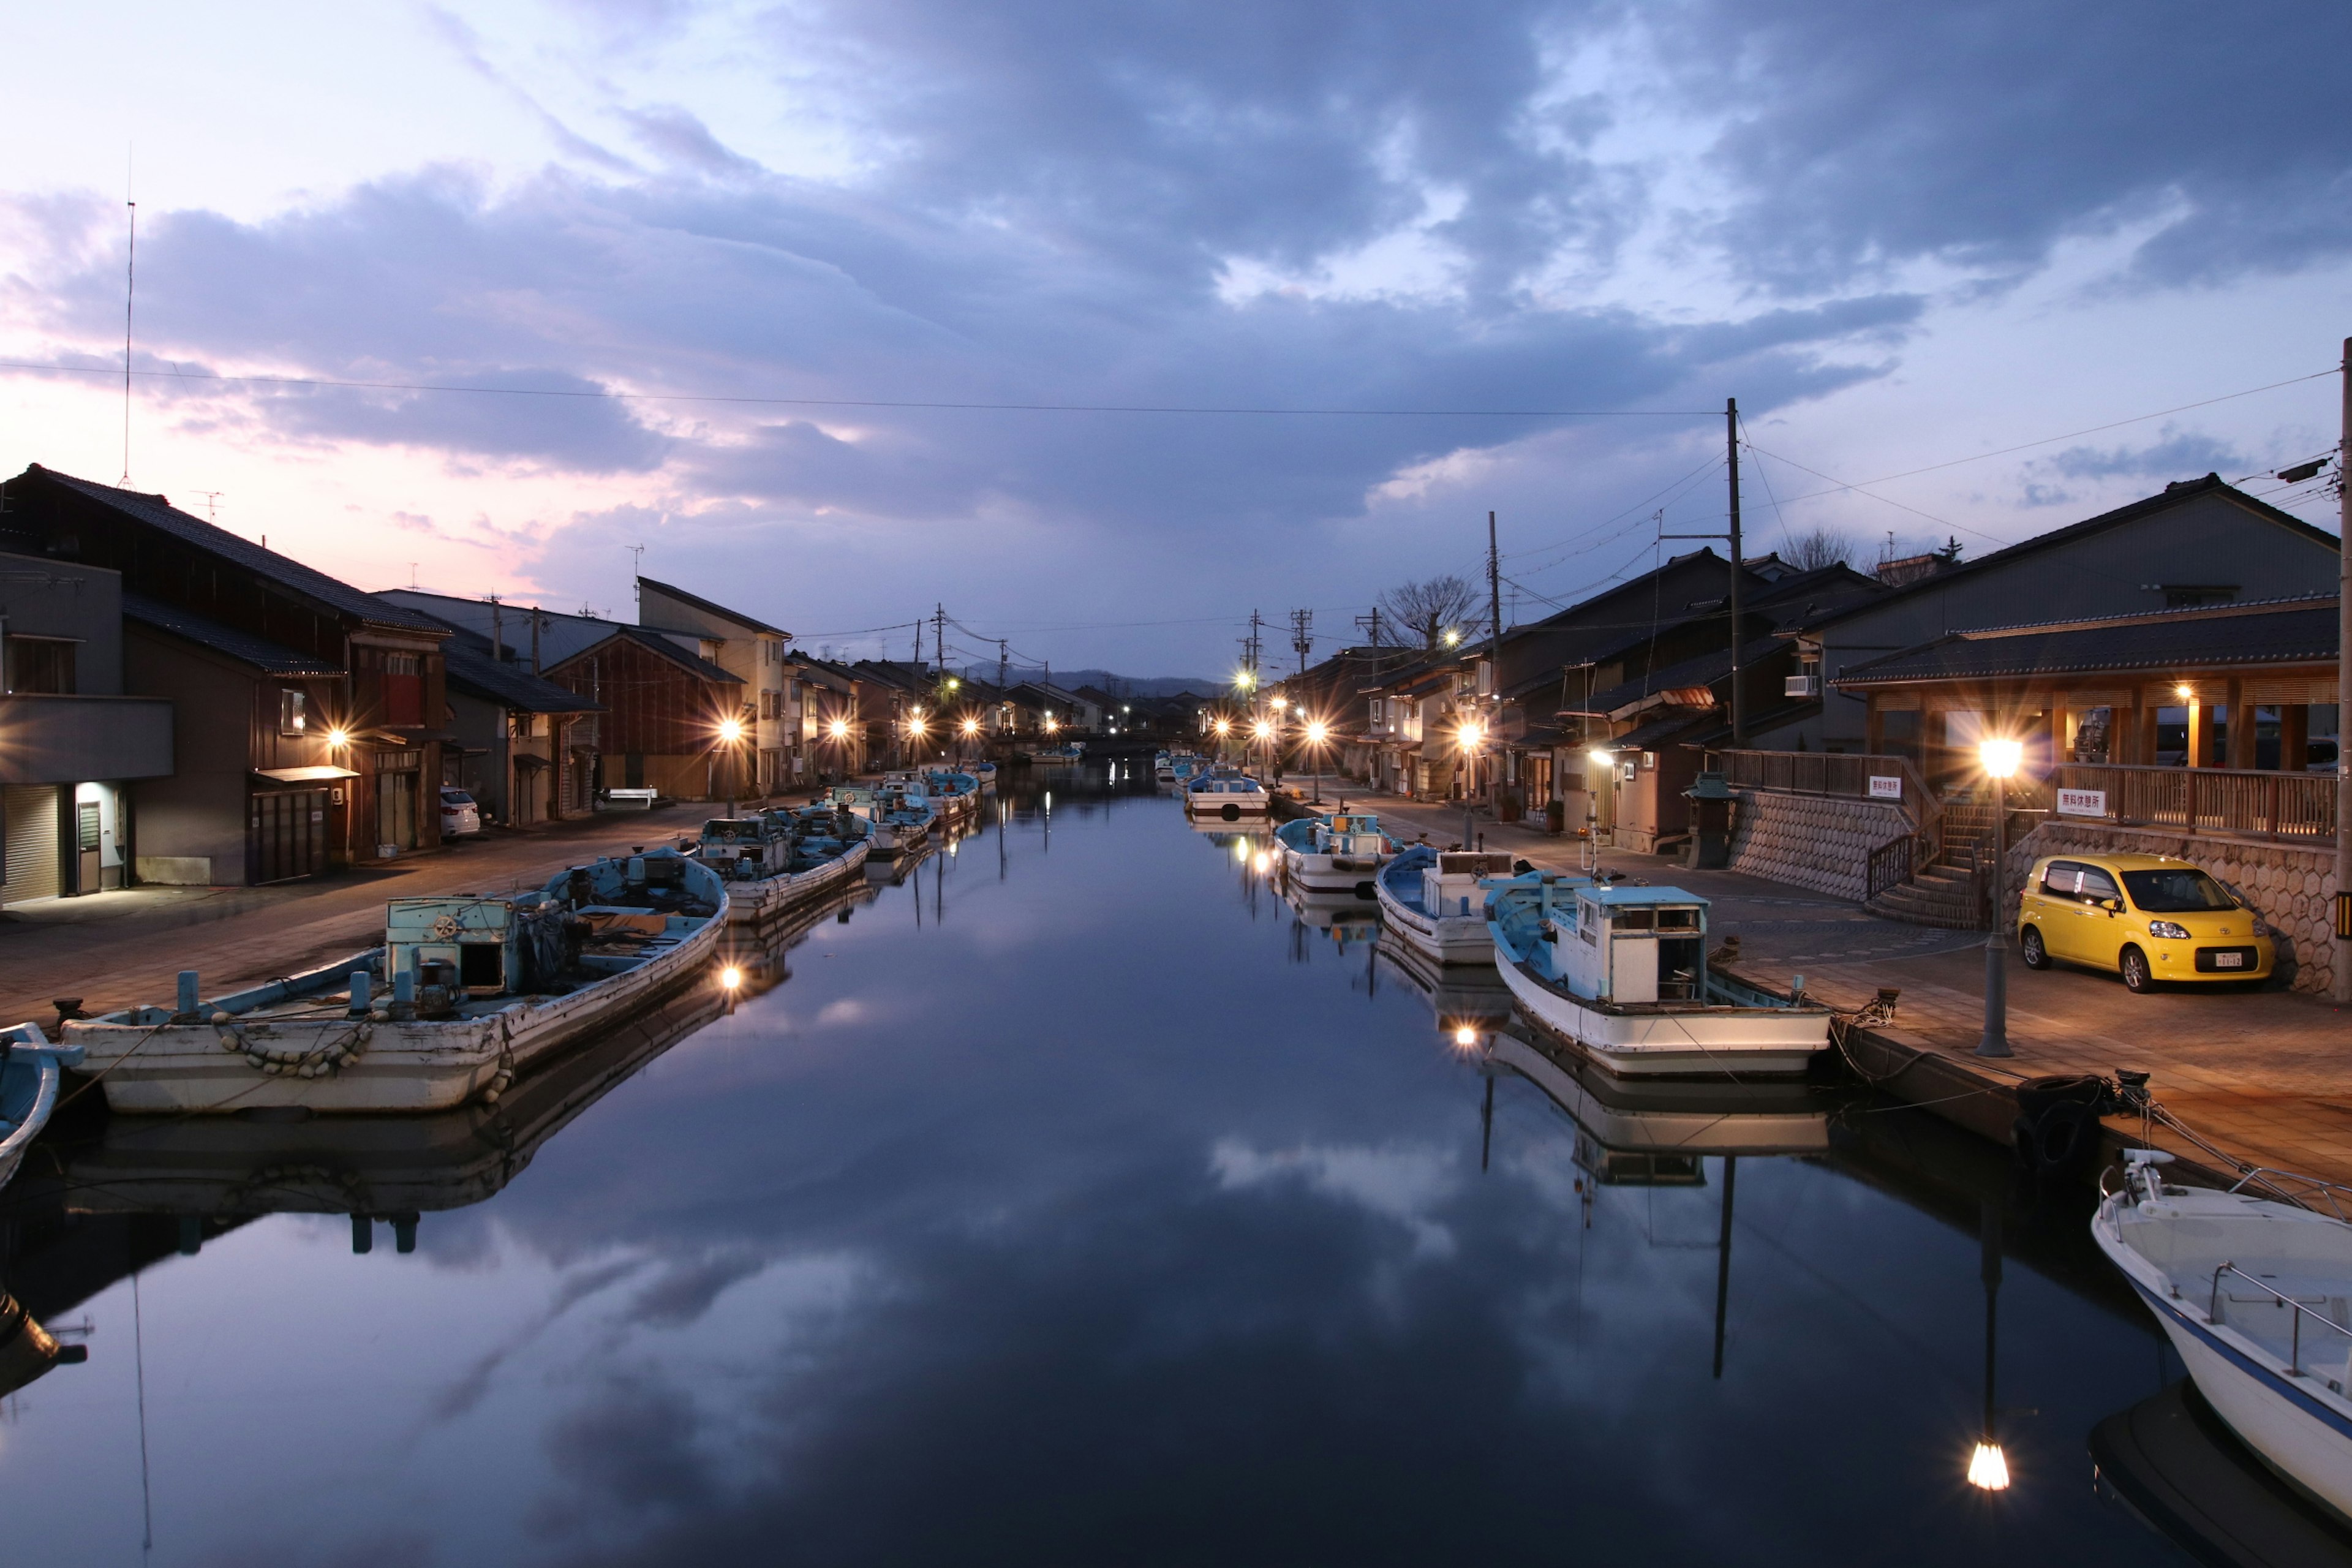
(2255, 1076)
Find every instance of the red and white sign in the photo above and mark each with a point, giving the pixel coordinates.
(2083, 802)
(1883, 788)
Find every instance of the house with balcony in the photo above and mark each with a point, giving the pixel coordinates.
(72, 744)
(309, 715)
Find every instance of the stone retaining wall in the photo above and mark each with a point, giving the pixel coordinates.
(2291, 886)
(1821, 842)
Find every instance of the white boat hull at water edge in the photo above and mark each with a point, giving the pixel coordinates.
(1341, 852)
(1622, 973)
(2256, 1297)
(1760, 1042)
(1226, 799)
(1434, 901)
(28, 1089)
(772, 898)
(304, 1041)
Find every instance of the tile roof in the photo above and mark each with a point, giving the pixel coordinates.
(661, 645)
(270, 658)
(700, 603)
(472, 670)
(285, 571)
(2268, 632)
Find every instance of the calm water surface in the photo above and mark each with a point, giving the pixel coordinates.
(1073, 1201)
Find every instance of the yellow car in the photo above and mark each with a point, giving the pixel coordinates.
(2148, 918)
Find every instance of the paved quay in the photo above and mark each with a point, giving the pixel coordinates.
(119, 948)
(2259, 1075)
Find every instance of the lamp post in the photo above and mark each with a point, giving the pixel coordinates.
(730, 736)
(837, 730)
(1317, 733)
(2000, 758)
(1470, 735)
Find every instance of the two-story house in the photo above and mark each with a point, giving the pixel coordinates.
(753, 652)
(311, 714)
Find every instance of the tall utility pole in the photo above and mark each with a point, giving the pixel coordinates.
(1738, 566)
(939, 638)
(1002, 675)
(2343, 972)
(1371, 624)
(1494, 605)
(1302, 635)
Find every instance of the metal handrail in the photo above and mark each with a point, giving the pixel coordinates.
(2325, 1189)
(2295, 1348)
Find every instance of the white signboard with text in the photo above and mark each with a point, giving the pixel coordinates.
(1883, 788)
(2083, 802)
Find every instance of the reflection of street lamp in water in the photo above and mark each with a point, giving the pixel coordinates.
(2000, 759)
(1988, 1466)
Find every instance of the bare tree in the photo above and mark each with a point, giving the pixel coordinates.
(1821, 547)
(1429, 609)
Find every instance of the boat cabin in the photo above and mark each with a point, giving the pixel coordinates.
(1632, 945)
(1351, 833)
(745, 847)
(1450, 886)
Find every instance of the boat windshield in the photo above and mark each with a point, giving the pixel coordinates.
(2177, 889)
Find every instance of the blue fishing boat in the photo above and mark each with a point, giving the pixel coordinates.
(953, 792)
(1623, 972)
(467, 991)
(985, 772)
(1436, 900)
(900, 815)
(30, 1068)
(1339, 852)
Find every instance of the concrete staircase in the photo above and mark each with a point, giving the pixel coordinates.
(1943, 895)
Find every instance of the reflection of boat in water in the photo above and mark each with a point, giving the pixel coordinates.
(27, 1349)
(216, 1172)
(2256, 1296)
(1345, 916)
(2177, 1465)
(1463, 996)
(1657, 1129)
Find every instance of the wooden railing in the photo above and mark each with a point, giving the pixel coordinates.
(1845, 774)
(2292, 806)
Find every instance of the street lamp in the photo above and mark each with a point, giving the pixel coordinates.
(1469, 735)
(2000, 759)
(730, 735)
(1317, 733)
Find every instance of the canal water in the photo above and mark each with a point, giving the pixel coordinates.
(1072, 1199)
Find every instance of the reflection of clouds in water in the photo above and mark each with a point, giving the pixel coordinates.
(1400, 1184)
(843, 1010)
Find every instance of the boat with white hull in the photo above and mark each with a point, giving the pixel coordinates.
(1340, 852)
(1225, 794)
(1436, 900)
(30, 1070)
(1623, 972)
(901, 822)
(777, 861)
(481, 988)
(2256, 1297)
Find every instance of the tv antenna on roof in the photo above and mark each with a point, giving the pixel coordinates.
(211, 498)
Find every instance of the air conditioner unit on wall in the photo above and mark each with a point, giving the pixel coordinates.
(1802, 686)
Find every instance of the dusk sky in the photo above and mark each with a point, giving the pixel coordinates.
(1905, 238)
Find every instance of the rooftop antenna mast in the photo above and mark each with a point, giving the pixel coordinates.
(637, 570)
(130, 287)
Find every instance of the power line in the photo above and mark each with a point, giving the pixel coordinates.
(607, 394)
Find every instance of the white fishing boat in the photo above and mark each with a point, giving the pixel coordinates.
(1436, 900)
(1623, 972)
(1340, 852)
(779, 860)
(30, 1068)
(1067, 751)
(2256, 1294)
(1227, 794)
(985, 772)
(1163, 769)
(901, 822)
(953, 792)
(467, 993)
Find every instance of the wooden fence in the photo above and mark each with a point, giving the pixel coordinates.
(2288, 806)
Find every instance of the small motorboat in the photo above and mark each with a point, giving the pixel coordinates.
(901, 820)
(953, 792)
(1623, 972)
(467, 991)
(1340, 852)
(1436, 900)
(1163, 769)
(30, 1071)
(2256, 1294)
(984, 772)
(776, 862)
(1227, 794)
(1067, 751)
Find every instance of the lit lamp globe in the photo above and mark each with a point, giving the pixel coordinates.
(1316, 730)
(839, 729)
(2000, 758)
(1261, 728)
(1988, 1468)
(731, 731)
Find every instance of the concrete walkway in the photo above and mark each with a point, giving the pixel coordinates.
(116, 949)
(2264, 1076)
